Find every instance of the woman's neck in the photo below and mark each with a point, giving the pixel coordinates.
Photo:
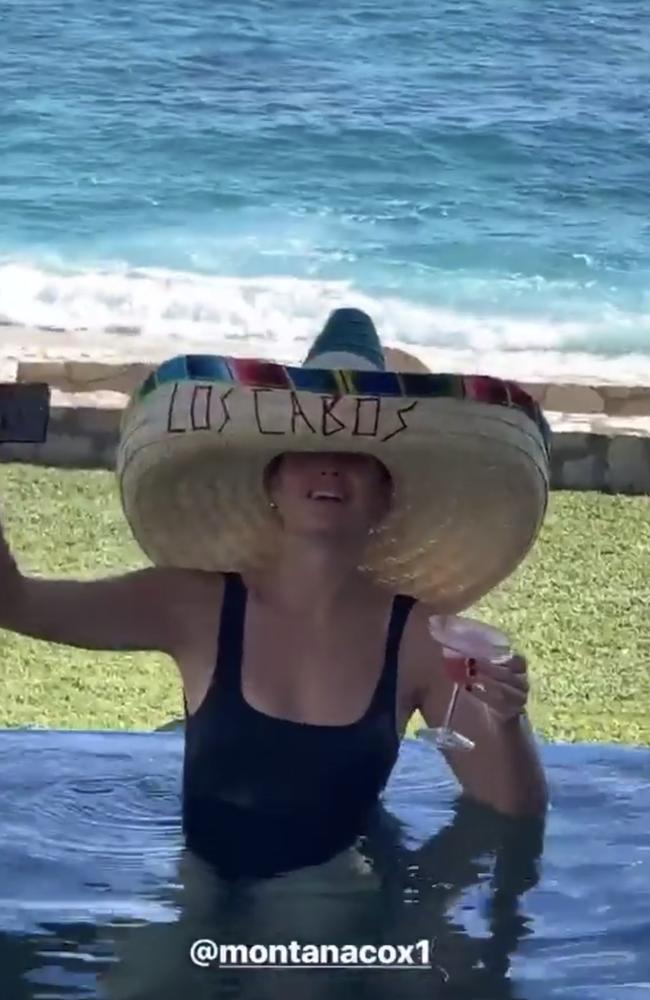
(311, 580)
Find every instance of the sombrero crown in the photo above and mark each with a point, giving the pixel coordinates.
(468, 455)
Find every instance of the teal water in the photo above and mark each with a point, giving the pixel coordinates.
(474, 173)
(99, 899)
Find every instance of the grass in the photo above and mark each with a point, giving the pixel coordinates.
(579, 608)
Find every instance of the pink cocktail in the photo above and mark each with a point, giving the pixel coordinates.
(462, 640)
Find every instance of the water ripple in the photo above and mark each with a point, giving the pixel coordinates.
(90, 839)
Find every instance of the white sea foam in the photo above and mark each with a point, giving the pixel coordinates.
(277, 317)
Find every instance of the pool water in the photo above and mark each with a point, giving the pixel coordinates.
(99, 898)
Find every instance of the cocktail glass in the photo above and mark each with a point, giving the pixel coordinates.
(464, 641)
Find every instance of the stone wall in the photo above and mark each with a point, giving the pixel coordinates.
(601, 433)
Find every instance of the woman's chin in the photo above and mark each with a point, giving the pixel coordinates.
(330, 525)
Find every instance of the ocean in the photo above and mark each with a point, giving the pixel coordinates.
(220, 176)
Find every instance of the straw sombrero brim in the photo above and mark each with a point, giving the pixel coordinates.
(469, 458)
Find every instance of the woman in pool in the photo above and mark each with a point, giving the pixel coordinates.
(303, 524)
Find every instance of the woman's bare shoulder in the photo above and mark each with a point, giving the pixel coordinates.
(192, 602)
(191, 597)
(420, 650)
(183, 584)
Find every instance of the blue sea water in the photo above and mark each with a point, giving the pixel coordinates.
(474, 173)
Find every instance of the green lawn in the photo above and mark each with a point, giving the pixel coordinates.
(579, 608)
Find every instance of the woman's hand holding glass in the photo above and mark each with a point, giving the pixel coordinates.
(478, 658)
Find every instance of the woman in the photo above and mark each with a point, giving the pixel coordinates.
(304, 524)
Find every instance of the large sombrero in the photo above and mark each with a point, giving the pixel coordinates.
(468, 455)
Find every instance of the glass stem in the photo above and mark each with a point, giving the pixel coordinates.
(452, 707)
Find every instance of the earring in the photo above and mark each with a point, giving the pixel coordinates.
(273, 505)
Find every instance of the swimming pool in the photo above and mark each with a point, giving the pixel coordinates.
(98, 898)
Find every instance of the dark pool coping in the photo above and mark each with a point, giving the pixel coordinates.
(175, 728)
